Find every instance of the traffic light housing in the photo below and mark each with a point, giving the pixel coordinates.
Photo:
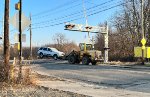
(17, 6)
(69, 26)
(88, 27)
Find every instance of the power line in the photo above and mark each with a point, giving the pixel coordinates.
(101, 4)
(56, 8)
(80, 17)
(74, 14)
(78, 11)
(59, 11)
(58, 23)
(106, 9)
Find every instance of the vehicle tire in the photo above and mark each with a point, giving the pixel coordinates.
(78, 61)
(41, 55)
(94, 63)
(85, 60)
(72, 59)
(55, 57)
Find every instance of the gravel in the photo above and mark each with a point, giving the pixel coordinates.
(36, 91)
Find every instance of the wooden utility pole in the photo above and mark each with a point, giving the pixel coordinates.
(30, 38)
(6, 40)
(3, 31)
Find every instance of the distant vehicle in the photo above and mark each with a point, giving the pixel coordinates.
(50, 52)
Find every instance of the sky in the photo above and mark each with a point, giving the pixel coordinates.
(48, 17)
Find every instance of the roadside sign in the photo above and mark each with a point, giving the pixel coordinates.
(15, 21)
(143, 41)
(17, 37)
(138, 52)
(17, 46)
(148, 52)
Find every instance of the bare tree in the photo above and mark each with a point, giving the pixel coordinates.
(63, 44)
(59, 40)
(126, 32)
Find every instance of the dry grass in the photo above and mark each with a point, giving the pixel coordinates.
(28, 87)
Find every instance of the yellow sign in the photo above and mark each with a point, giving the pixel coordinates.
(148, 52)
(138, 52)
(17, 46)
(143, 41)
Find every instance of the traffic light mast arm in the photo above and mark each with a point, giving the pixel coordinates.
(81, 28)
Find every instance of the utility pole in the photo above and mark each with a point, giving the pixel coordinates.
(30, 38)
(6, 40)
(106, 48)
(20, 42)
(86, 18)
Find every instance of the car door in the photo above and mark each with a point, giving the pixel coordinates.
(45, 51)
(49, 52)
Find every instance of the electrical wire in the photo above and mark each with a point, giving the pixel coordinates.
(73, 14)
(56, 8)
(58, 11)
(98, 5)
(80, 17)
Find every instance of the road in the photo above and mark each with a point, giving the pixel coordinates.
(127, 78)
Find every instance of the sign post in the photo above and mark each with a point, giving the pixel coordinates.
(20, 22)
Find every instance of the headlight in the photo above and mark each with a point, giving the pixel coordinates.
(61, 54)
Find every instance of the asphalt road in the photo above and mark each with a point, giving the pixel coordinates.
(130, 78)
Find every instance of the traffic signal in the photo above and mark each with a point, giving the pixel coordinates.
(69, 26)
(88, 27)
(17, 6)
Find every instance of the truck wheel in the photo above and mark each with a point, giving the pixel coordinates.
(41, 55)
(55, 57)
(78, 61)
(85, 60)
(94, 63)
(72, 60)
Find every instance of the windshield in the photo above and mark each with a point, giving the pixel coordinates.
(88, 46)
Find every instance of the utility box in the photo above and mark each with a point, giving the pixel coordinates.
(138, 52)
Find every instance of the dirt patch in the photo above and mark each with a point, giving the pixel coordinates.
(123, 63)
(40, 77)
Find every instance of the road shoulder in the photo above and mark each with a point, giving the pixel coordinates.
(86, 89)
